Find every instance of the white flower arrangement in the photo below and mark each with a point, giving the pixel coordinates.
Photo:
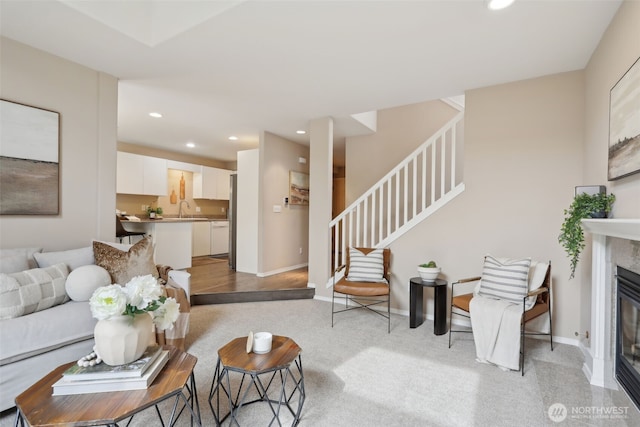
(143, 294)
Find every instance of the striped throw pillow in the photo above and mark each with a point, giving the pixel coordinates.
(505, 279)
(366, 268)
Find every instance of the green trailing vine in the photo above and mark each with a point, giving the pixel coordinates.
(571, 234)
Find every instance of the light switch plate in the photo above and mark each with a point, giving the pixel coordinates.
(277, 208)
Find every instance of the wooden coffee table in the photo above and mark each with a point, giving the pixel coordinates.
(271, 380)
(38, 407)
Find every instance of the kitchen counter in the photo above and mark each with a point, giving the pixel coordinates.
(168, 220)
(173, 237)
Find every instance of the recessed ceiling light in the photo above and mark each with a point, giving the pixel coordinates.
(190, 144)
(499, 4)
(233, 138)
(156, 115)
(301, 132)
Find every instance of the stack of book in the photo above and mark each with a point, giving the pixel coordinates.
(100, 378)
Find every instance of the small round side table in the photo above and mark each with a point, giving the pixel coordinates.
(416, 301)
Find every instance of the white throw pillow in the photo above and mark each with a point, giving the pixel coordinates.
(73, 258)
(27, 253)
(505, 279)
(13, 264)
(83, 281)
(366, 268)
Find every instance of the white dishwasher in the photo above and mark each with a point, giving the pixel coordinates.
(219, 237)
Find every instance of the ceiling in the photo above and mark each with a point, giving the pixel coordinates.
(220, 68)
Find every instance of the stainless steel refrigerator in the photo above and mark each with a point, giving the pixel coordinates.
(233, 215)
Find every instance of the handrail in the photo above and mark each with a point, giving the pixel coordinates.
(413, 190)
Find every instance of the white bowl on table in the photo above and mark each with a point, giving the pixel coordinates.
(429, 274)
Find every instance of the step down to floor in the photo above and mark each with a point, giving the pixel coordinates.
(252, 296)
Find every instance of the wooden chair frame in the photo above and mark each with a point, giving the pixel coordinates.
(363, 294)
(460, 303)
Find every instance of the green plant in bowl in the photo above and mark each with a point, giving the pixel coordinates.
(430, 264)
(571, 234)
(429, 271)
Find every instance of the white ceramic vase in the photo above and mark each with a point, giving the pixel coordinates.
(123, 339)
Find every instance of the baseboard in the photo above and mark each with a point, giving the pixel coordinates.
(281, 270)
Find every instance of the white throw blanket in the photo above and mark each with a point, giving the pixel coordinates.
(496, 331)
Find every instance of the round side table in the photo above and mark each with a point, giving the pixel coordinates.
(416, 302)
(275, 378)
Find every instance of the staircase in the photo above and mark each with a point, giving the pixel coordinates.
(415, 189)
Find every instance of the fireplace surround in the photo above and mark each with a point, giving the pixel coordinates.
(599, 356)
(627, 359)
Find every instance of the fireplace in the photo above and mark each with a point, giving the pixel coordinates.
(614, 242)
(627, 355)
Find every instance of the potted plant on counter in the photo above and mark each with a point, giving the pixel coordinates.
(154, 212)
(571, 234)
(429, 271)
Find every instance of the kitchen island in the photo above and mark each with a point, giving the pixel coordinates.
(172, 238)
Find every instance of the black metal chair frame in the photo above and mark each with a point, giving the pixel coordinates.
(362, 302)
(121, 232)
(543, 292)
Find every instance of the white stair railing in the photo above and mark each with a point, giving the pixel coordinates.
(417, 187)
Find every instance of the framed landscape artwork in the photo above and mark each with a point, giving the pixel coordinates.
(298, 188)
(624, 125)
(29, 160)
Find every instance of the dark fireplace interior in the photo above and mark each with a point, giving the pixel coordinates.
(628, 333)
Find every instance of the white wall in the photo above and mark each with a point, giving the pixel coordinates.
(523, 146)
(87, 103)
(399, 130)
(618, 49)
(528, 144)
(285, 233)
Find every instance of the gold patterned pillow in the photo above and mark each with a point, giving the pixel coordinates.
(125, 265)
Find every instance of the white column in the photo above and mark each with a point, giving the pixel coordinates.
(320, 199)
(601, 373)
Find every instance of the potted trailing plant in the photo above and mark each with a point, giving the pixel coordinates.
(571, 234)
(428, 271)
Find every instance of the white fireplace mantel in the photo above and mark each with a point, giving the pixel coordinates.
(621, 228)
(600, 369)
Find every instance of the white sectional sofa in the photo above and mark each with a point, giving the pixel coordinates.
(61, 330)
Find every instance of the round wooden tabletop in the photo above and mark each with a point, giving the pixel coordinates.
(283, 352)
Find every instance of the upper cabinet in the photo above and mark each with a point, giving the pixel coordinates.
(211, 183)
(138, 174)
(223, 177)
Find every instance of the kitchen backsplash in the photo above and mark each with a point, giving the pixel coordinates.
(132, 204)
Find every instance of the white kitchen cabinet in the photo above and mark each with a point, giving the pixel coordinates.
(223, 177)
(219, 237)
(205, 184)
(138, 174)
(130, 175)
(211, 183)
(201, 240)
(156, 178)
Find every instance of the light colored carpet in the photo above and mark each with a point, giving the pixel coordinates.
(356, 374)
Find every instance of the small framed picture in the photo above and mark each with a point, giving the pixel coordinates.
(298, 188)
